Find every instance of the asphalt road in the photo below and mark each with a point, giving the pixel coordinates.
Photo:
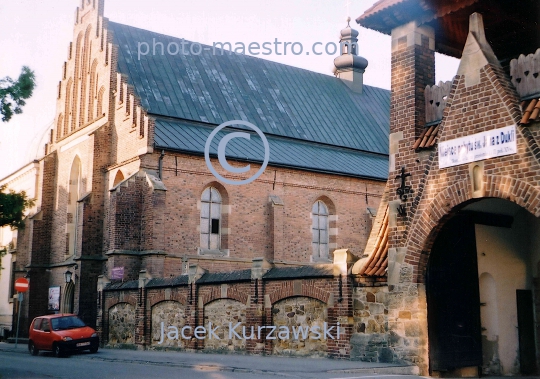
(129, 364)
(14, 365)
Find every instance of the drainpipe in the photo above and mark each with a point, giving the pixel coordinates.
(160, 164)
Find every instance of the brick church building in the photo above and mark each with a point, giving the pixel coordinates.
(132, 228)
(444, 277)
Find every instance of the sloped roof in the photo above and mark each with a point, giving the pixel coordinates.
(167, 282)
(316, 271)
(189, 137)
(510, 29)
(221, 277)
(379, 6)
(284, 101)
(427, 138)
(531, 110)
(121, 285)
(374, 263)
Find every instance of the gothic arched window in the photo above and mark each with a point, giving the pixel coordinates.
(319, 229)
(211, 219)
(118, 178)
(74, 192)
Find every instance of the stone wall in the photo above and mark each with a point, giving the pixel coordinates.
(170, 313)
(407, 319)
(122, 324)
(369, 341)
(298, 312)
(223, 313)
(390, 321)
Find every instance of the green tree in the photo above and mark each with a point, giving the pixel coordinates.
(14, 93)
(12, 207)
(12, 98)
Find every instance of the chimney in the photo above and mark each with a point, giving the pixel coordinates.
(350, 67)
(413, 68)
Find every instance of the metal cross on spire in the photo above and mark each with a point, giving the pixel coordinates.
(348, 6)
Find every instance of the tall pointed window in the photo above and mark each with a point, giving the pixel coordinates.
(72, 207)
(319, 229)
(211, 219)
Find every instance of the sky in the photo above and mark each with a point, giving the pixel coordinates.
(37, 33)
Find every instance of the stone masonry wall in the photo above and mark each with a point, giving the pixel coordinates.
(170, 313)
(122, 324)
(369, 341)
(220, 313)
(298, 312)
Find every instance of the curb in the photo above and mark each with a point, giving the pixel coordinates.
(393, 370)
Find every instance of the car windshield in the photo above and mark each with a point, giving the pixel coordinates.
(68, 322)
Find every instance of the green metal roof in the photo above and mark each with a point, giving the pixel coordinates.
(188, 137)
(304, 114)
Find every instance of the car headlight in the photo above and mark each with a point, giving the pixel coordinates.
(94, 335)
(67, 339)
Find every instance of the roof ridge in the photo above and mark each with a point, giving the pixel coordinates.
(246, 55)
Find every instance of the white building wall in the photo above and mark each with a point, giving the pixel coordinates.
(25, 179)
(503, 267)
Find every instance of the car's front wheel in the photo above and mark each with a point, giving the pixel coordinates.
(58, 351)
(93, 350)
(32, 348)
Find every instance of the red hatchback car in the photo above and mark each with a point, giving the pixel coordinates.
(61, 333)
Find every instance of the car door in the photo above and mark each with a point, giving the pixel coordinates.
(45, 335)
(35, 333)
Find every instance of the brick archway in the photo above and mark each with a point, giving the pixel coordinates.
(233, 293)
(115, 299)
(308, 290)
(447, 203)
(160, 297)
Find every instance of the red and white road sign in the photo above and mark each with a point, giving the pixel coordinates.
(21, 285)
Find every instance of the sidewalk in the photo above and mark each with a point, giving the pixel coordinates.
(238, 363)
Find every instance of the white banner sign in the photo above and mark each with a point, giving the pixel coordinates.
(477, 147)
(54, 299)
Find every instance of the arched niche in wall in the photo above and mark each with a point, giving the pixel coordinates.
(74, 193)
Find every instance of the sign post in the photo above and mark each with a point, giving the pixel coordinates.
(21, 286)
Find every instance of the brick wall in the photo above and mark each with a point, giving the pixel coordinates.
(247, 220)
(254, 304)
(439, 193)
